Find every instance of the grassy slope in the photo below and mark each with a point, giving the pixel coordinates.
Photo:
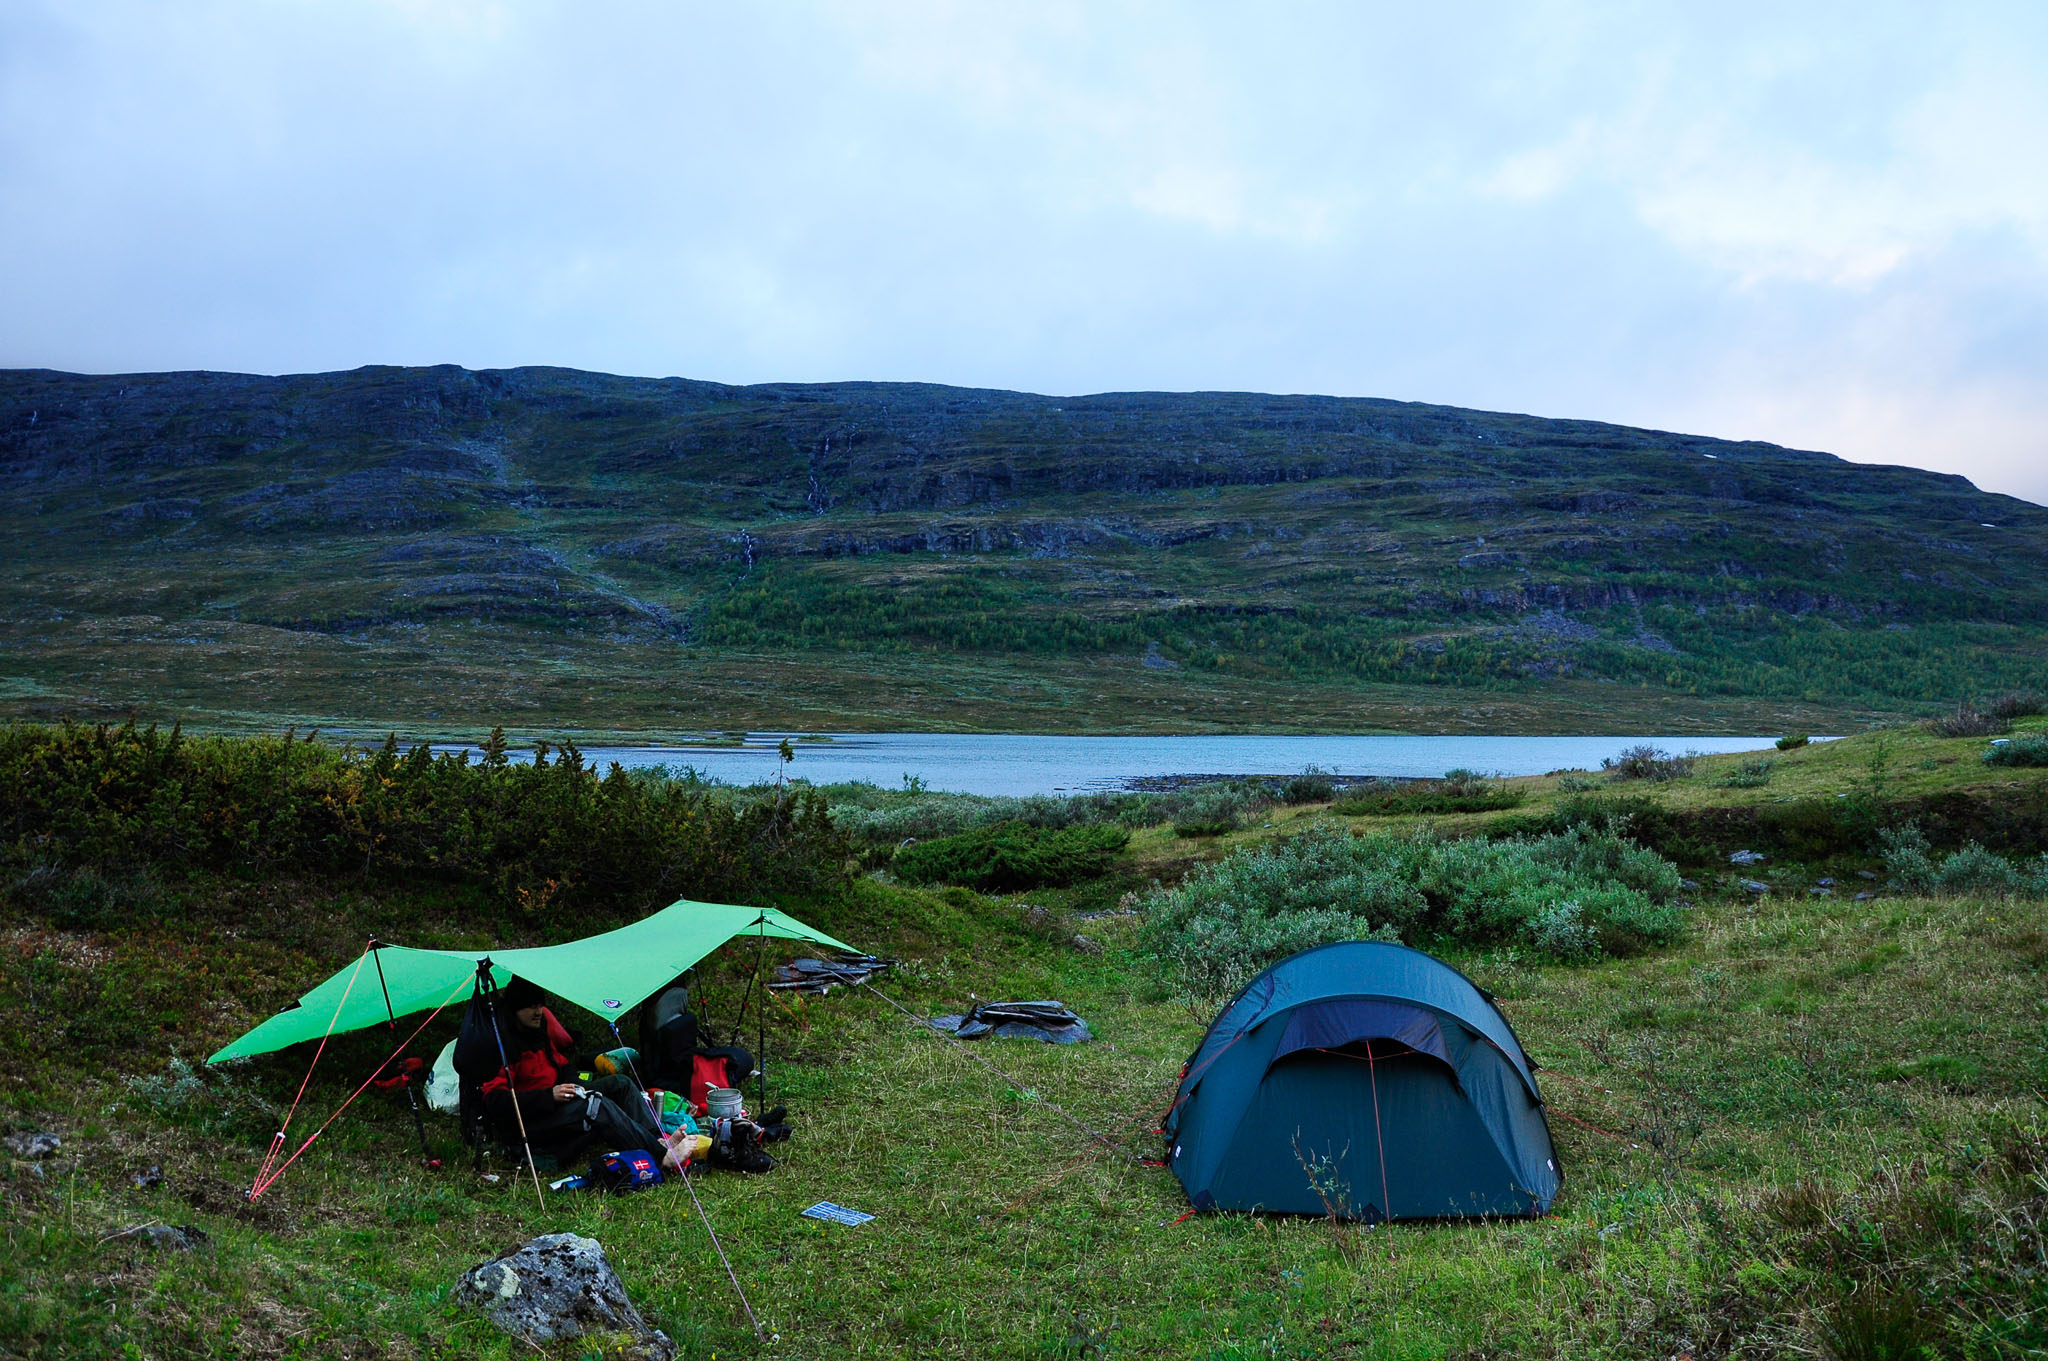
(434, 550)
(1790, 1083)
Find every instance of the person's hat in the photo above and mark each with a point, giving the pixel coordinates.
(520, 994)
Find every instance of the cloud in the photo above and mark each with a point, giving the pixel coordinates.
(1822, 226)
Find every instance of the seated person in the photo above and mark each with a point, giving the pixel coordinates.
(564, 1117)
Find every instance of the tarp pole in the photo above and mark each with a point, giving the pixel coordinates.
(760, 959)
(411, 1097)
(488, 987)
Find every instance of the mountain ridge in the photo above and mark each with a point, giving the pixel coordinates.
(1398, 562)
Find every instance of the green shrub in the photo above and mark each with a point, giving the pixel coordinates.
(1313, 785)
(1646, 762)
(1215, 808)
(1972, 871)
(1978, 873)
(1792, 741)
(875, 816)
(102, 809)
(1749, 775)
(1968, 721)
(1459, 791)
(2031, 750)
(1907, 858)
(1011, 856)
(1571, 895)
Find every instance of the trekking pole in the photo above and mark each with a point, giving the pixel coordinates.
(419, 1122)
(489, 988)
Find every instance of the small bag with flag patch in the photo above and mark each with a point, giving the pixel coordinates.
(633, 1169)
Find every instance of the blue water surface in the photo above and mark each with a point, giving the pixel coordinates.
(1013, 763)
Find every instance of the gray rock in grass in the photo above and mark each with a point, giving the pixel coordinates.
(36, 1145)
(1746, 858)
(556, 1287)
(1753, 885)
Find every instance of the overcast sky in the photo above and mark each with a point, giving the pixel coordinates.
(1828, 231)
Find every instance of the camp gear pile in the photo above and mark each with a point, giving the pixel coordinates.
(1048, 1021)
(820, 976)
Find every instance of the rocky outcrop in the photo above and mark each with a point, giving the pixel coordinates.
(560, 1287)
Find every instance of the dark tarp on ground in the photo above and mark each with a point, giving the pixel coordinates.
(1289, 1071)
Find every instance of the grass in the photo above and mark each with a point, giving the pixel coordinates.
(1777, 1138)
(1726, 1110)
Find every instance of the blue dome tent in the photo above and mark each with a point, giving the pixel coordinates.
(1365, 1079)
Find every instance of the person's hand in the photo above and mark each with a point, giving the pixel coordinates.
(567, 1091)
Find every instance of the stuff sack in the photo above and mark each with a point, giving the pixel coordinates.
(708, 1071)
(632, 1170)
(675, 1112)
(444, 1086)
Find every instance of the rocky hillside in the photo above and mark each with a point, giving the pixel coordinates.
(438, 548)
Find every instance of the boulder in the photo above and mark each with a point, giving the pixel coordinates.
(560, 1286)
(1746, 858)
(174, 1238)
(1753, 885)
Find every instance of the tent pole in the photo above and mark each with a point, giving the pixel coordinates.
(411, 1097)
(761, 1065)
(489, 988)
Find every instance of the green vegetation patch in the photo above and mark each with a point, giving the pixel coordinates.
(1575, 894)
(91, 817)
(1011, 856)
(1973, 870)
(2031, 750)
(1459, 791)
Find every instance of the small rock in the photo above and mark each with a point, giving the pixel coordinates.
(1871, 875)
(183, 1238)
(1746, 858)
(1825, 883)
(559, 1286)
(1035, 915)
(1689, 885)
(148, 1179)
(1087, 946)
(1822, 892)
(1864, 897)
(1753, 886)
(38, 1145)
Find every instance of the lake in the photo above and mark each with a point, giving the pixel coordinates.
(1016, 764)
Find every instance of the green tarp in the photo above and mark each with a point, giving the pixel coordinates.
(607, 974)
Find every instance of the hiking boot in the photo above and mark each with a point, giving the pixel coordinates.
(747, 1158)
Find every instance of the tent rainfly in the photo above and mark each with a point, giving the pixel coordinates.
(606, 974)
(1363, 1079)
